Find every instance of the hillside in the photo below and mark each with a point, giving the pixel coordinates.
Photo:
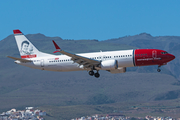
(21, 86)
(169, 43)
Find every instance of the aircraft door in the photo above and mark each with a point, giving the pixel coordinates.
(42, 62)
(154, 53)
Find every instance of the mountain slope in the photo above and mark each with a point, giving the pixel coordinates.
(169, 43)
(21, 86)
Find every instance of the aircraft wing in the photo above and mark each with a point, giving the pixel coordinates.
(81, 60)
(21, 60)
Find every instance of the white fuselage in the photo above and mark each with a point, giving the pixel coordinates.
(62, 63)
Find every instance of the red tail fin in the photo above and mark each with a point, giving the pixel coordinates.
(17, 32)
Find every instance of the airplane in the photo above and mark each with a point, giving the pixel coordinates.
(111, 61)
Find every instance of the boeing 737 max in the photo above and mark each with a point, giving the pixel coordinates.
(111, 61)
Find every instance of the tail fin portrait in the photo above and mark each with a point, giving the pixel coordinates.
(26, 48)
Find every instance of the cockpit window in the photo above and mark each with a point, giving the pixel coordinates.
(164, 52)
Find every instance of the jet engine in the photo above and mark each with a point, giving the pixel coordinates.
(109, 65)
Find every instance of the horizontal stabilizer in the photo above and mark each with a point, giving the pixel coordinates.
(22, 60)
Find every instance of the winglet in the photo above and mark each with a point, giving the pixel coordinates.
(17, 31)
(57, 47)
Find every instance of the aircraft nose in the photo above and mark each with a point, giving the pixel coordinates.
(172, 57)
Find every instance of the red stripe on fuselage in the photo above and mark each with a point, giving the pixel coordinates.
(28, 56)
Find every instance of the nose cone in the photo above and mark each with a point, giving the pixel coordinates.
(171, 57)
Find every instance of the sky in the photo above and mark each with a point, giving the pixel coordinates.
(90, 19)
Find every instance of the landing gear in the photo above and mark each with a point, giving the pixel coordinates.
(159, 70)
(97, 75)
(91, 73)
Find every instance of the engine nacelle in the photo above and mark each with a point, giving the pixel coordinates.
(109, 65)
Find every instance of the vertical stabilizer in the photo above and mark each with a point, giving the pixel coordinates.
(26, 48)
